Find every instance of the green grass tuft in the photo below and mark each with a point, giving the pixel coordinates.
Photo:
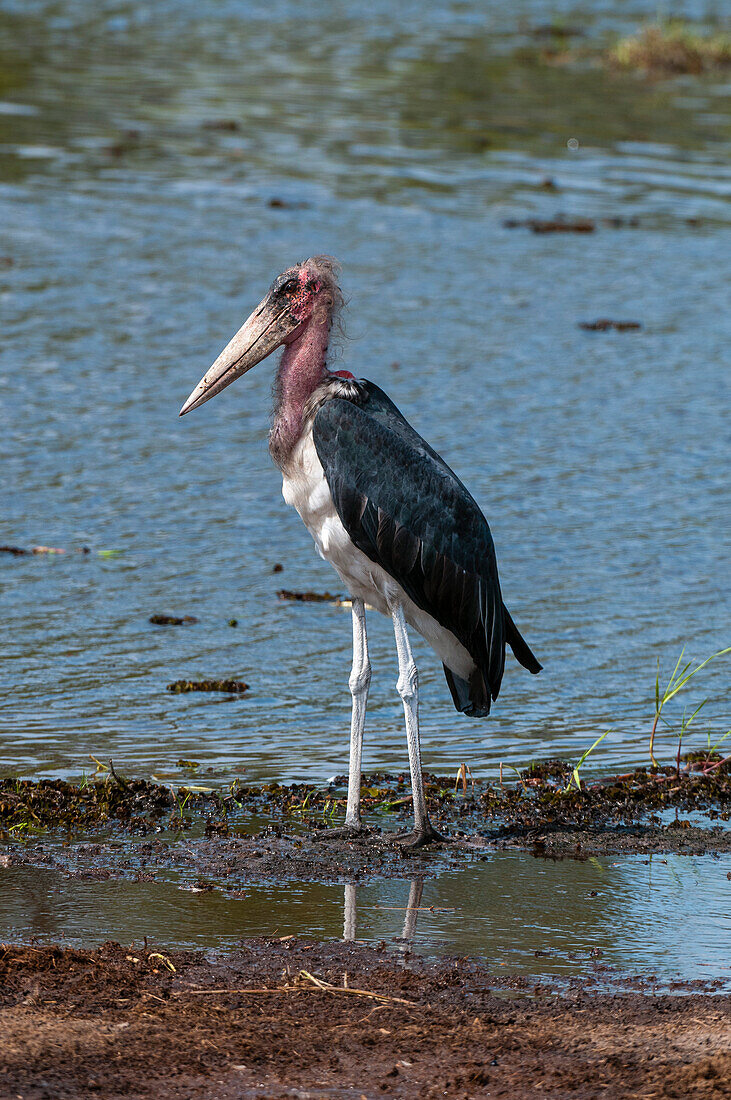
(672, 47)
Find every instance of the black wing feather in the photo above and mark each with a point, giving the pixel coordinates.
(406, 510)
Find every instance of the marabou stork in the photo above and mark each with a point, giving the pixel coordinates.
(384, 509)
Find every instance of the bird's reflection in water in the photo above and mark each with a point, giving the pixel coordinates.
(349, 913)
(412, 908)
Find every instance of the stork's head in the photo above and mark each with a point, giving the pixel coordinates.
(305, 294)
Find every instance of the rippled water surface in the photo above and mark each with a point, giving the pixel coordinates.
(141, 147)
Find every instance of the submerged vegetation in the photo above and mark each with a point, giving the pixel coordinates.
(670, 47)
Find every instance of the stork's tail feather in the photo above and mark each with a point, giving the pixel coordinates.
(471, 697)
(518, 644)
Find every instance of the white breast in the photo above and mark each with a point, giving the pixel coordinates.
(305, 488)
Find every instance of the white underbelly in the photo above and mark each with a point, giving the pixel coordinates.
(305, 488)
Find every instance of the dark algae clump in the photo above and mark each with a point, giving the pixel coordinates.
(53, 803)
(308, 597)
(605, 325)
(233, 687)
(552, 225)
(172, 620)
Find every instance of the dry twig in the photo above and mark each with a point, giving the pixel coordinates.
(328, 988)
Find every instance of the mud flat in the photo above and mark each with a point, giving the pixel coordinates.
(295, 1018)
(134, 830)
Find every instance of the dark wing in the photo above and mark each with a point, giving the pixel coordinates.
(407, 511)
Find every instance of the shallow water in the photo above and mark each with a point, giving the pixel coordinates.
(662, 918)
(135, 240)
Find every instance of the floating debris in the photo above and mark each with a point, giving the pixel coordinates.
(232, 687)
(233, 622)
(129, 139)
(284, 204)
(618, 222)
(18, 551)
(605, 325)
(228, 125)
(172, 620)
(556, 30)
(308, 597)
(552, 225)
(278, 567)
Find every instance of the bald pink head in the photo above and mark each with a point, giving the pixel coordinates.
(302, 298)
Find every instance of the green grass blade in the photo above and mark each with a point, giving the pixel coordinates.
(591, 749)
(674, 673)
(695, 712)
(719, 742)
(681, 683)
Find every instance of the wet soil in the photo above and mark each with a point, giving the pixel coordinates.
(283, 1018)
(228, 863)
(284, 833)
(544, 799)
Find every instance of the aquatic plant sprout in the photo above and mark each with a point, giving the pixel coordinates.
(712, 748)
(678, 679)
(575, 776)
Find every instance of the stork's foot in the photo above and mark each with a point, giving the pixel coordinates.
(419, 838)
(346, 832)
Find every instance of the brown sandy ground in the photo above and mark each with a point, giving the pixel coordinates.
(120, 1022)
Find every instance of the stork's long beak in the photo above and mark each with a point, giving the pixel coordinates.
(268, 327)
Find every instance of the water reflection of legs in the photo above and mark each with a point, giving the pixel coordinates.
(412, 908)
(349, 914)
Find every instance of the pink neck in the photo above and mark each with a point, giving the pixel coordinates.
(301, 371)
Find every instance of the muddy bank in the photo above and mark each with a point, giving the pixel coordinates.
(274, 1020)
(228, 863)
(640, 811)
(231, 862)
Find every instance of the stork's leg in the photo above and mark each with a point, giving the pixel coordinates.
(408, 688)
(360, 678)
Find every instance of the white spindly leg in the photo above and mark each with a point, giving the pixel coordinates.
(360, 679)
(408, 688)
